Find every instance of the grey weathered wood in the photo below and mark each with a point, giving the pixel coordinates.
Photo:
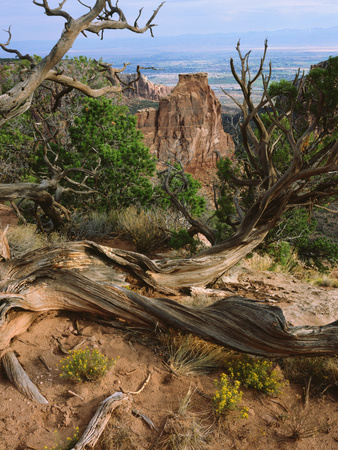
(100, 419)
(51, 279)
(20, 379)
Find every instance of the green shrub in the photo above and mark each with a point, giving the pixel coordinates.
(227, 395)
(181, 239)
(86, 365)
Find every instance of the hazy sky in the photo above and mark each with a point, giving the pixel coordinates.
(178, 17)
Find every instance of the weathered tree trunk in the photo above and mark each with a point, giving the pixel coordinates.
(35, 192)
(51, 279)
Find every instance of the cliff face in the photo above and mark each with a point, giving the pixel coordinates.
(188, 119)
(144, 88)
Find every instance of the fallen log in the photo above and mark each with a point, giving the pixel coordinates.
(54, 279)
(20, 379)
(100, 419)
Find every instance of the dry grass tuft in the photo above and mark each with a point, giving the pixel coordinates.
(118, 434)
(301, 424)
(25, 238)
(190, 355)
(322, 370)
(185, 430)
(145, 228)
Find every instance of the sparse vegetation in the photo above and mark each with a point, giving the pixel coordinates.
(184, 429)
(145, 228)
(118, 434)
(322, 370)
(86, 365)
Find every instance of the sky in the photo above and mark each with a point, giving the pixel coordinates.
(177, 17)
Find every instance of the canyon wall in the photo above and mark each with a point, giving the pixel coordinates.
(187, 121)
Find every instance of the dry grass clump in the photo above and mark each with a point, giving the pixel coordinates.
(322, 370)
(301, 424)
(145, 228)
(92, 225)
(326, 281)
(185, 430)
(190, 355)
(25, 238)
(118, 434)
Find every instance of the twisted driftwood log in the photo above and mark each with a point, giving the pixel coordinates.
(59, 278)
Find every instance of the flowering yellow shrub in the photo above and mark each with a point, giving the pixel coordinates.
(257, 374)
(86, 365)
(227, 395)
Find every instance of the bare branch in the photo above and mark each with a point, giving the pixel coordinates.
(18, 54)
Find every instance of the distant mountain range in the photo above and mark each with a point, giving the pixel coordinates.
(144, 45)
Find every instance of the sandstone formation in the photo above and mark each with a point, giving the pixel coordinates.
(187, 121)
(144, 88)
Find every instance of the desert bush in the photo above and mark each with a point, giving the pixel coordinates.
(86, 365)
(92, 225)
(326, 281)
(322, 370)
(25, 238)
(255, 373)
(227, 395)
(145, 228)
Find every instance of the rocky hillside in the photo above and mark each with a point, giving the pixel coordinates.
(144, 88)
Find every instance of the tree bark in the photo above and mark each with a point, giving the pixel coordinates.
(51, 279)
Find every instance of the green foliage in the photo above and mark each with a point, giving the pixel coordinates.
(321, 253)
(225, 208)
(227, 395)
(256, 374)
(324, 80)
(104, 131)
(86, 365)
(283, 88)
(16, 141)
(181, 239)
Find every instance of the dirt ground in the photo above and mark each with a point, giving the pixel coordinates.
(273, 422)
